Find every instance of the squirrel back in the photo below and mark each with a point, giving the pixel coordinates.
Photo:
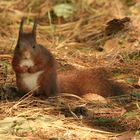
(97, 81)
(34, 65)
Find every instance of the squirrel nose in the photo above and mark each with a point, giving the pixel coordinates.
(26, 55)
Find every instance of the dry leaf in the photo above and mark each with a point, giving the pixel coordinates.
(94, 97)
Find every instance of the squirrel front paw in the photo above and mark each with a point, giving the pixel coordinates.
(31, 70)
(24, 68)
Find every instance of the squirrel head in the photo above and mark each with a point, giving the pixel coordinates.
(26, 46)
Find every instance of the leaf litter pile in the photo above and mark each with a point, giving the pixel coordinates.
(87, 34)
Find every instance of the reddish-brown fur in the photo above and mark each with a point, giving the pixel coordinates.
(47, 80)
(42, 59)
(77, 82)
(95, 81)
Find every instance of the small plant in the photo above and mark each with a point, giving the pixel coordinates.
(64, 10)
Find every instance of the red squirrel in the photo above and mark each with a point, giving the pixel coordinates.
(35, 66)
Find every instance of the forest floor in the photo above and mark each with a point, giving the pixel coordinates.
(97, 34)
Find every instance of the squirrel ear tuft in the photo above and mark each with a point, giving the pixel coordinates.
(21, 26)
(34, 28)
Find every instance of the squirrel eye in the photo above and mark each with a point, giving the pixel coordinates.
(33, 46)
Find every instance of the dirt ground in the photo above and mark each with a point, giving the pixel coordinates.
(95, 34)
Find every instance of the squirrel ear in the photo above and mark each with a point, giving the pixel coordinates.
(34, 29)
(21, 26)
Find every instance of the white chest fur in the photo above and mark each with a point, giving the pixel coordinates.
(27, 62)
(30, 79)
